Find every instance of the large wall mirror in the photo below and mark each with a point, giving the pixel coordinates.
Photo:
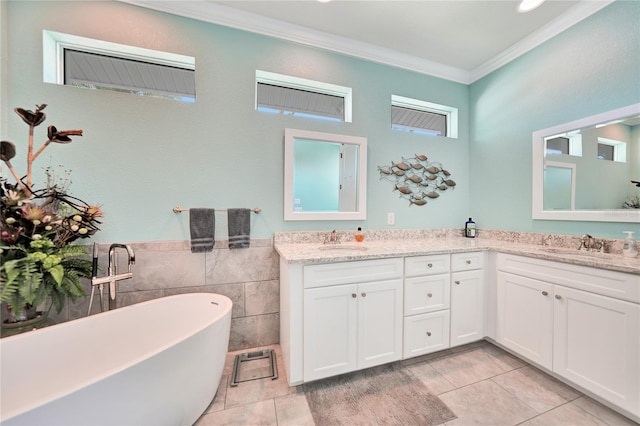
(583, 170)
(325, 176)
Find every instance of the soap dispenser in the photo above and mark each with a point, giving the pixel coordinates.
(470, 229)
(630, 246)
(359, 235)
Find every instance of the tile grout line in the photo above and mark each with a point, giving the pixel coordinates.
(524, 402)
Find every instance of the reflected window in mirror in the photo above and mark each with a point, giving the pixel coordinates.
(569, 143)
(325, 176)
(611, 150)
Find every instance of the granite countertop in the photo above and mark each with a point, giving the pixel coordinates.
(315, 253)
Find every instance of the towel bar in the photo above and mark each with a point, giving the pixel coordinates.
(178, 209)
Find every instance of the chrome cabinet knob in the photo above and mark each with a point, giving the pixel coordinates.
(457, 282)
(354, 295)
(429, 333)
(468, 262)
(429, 294)
(429, 265)
(364, 294)
(544, 293)
(558, 297)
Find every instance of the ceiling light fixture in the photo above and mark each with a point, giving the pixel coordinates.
(529, 5)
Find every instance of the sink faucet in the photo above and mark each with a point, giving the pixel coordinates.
(588, 243)
(113, 277)
(332, 238)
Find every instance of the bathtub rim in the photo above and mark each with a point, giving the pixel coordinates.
(62, 391)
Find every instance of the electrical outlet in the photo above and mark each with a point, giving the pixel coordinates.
(391, 218)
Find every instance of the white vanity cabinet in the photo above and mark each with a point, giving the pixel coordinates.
(581, 323)
(352, 316)
(427, 295)
(467, 298)
(525, 317)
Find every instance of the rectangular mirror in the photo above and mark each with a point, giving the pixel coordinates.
(585, 170)
(324, 176)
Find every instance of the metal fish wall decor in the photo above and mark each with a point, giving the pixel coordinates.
(417, 179)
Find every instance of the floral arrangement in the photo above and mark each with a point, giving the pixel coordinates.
(632, 202)
(37, 227)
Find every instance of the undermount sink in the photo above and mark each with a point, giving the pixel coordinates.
(570, 252)
(342, 247)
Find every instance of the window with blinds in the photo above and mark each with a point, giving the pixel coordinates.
(98, 64)
(287, 95)
(416, 116)
(410, 119)
(96, 71)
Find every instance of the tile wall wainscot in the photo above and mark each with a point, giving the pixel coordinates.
(249, 277)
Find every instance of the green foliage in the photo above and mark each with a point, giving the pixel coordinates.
(31, 275)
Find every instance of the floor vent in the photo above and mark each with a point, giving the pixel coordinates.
(253, 366)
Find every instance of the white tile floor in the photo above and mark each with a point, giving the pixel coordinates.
(480, 383)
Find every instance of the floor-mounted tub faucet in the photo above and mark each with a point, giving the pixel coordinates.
(113, 277)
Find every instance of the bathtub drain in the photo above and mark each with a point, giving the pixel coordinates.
(253, 366)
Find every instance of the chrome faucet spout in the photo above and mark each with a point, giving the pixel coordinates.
(130, 253)
(332, 238)
(112, 277)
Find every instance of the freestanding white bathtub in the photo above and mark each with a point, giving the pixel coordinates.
(153, 363)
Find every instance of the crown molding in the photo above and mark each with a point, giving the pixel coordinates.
(203, 10)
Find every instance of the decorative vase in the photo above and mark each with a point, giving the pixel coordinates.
(29, 318)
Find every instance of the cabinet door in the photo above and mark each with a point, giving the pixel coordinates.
(596, 345)
(467, 307)
(379, 323)
(525, 317)
(426, 294)
(330, 315)
(426, 333)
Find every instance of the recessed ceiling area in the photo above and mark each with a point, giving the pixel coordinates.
(457, 40)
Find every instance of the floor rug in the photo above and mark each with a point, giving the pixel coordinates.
(384, 395)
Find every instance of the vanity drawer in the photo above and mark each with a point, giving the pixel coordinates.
(425, 333)
(427, 265)
(467, 261)
(352, 272)
(427, 294)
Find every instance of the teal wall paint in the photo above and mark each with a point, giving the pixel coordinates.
(590, 68)
(316, 171)
(141, 156)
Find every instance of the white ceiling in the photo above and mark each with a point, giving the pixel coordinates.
(453, 39)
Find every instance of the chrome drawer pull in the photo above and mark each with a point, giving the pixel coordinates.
(544, 293)
(468, 262)
(457, 282)
(429, 294)
(558, 297)
(429, 265)
(364, 294)
(429, 333)
(354, 295)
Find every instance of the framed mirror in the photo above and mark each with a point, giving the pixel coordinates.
(325, 176)
(583, 170)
